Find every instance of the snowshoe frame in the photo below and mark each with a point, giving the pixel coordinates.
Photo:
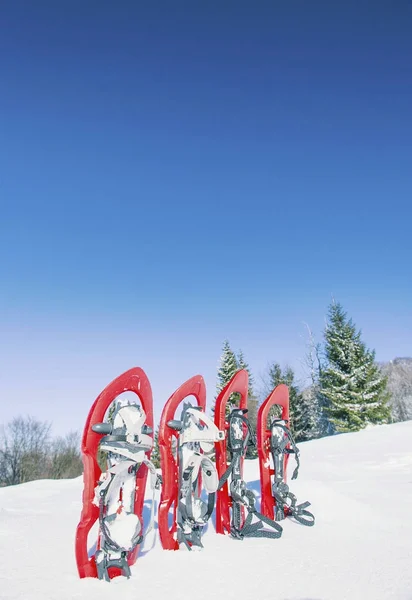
(170, 470)
(238, 384)
(279, 396)
(134, 380)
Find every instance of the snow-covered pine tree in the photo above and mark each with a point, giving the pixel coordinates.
(351, 380)
(227, 368)
(275, 378)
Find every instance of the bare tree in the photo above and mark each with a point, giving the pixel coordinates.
(24, 446)
(399, 373)
(65, 460)
(312, 362)
(313, 400)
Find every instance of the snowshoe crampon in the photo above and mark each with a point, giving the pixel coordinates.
(186, 441)
(115, 496)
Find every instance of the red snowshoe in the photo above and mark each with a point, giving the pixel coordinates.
(185, 445)
(238, 384)
(275, 445)
(235, 499)
(115, 496)
(278, 397)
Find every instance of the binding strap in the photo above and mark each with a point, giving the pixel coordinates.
(197, 435)
(191, 524)
(286, 502)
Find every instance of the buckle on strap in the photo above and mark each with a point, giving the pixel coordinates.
(242, 495)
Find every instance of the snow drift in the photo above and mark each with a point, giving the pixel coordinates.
(360, 489)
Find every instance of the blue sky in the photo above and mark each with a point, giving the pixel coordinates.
(176, 173)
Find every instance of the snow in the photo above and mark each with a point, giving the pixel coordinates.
(360, 489)
(124, 528)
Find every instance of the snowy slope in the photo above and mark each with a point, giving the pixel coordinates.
(360, 487)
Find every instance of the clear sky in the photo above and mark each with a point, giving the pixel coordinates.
(176, 173)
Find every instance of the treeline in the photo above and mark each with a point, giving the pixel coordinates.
(347, 389)
(28, 452)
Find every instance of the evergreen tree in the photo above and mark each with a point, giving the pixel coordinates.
(351, 382)
(296, 412)
(228, 367)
